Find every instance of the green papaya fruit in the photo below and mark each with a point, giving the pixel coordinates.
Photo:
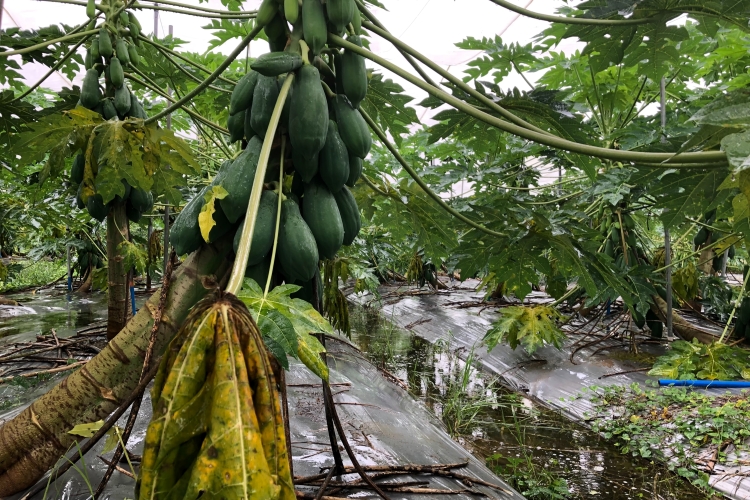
(291, 11)
(334, 160)
(355, 169)
(105, 44)
(298, 251)
(90, 94)
(94, 48)
(298, 186)
(121, 50)
(79, 200)
(314, 25)
(108, 109)
(340, 13)
(609, 249)
(77, 170)
(259, 272)
(88, 61)
(717, 263)
(265, 229)
(264, 100)
(266, 12)
(132, 19)
(141, 200)
(91, 9)
(306, 168)
(353, 128)
(357, 22)
(354, 73)
(322, 216)
(238, 181)
(247, 126)
(236, 127)
(654, 324)
(135, 59)
(710, 216)
(630, 240)
(349, 212)
(132, 213)
(242, 95)
(276, 32)
(701, 237)
(277, 63)
(135, 33)
(96, 207)
(116, 74)
(185, 234)
(136, 109)
(122, 100)
(308, 106)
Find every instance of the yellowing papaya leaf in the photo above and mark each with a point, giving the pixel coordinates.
(532, 326)
(231, 463)
(113, 439)
(206, 217)
(309, 351)
(86, 430)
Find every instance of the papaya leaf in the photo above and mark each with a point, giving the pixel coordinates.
(133, 256)
(532, 327)
(387, 104)
(278, 330)
(206, 217)
(86, 430)
(302, 316)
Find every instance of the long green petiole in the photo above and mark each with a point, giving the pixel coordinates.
(243, 252)
(278, 221)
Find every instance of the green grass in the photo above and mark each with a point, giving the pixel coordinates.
(27, 274)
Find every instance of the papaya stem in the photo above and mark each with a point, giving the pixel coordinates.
(213, 14)
(329, 93)
(572, 20)
(243, 252)
(278, 219)
(305, 51)
(167, 52)
(213, 76)
(43, 45)
(696, 160)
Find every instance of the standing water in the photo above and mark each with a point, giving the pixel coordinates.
(539, 452)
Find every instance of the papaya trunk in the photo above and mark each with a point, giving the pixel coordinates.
(681, 326)
(117, 275)
(33, 441)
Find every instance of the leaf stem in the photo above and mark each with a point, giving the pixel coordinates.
(278, 220)
(243, 252)
(42, 45)
(213, 76)
(166, 51)
(547, 140)
(384, 139)
(213, 14)
(572, 20)
(153, 87)
(691, 254)
(454, 80)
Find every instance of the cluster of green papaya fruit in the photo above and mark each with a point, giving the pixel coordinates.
(706, 236)
(88, 255)
(109, 53)
(327, 140)
(620, 242)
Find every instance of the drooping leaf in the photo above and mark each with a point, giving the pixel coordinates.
(206, 217)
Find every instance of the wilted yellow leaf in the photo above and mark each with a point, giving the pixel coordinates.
(206, 217)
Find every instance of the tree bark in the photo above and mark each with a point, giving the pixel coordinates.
(33, 441)
(117, 275)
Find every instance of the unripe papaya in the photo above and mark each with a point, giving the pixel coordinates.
(236, 127)
(349, 212)
(266, 12)
(247, 126)
(90, 94)
(357, 22)
(88, 61)
(340, 13)
(308, 109)
(91, 9)
(355, 169)
(298, 251)
(264, 100)
(242, 95)
(314, 25)
(291, 11)
(79, 200)
(354, 73)
(276, 32)
(277, 63)
(334, 160)
(122, 100)
(76, 172)
(135, 59)
(121, 49)
(105, 44)
(238, 179)
(265, 229)
(322, 215)
(95, 48)
(701, 237)
(96, 207)
(306, 168)
(353, 128)
(116, 74)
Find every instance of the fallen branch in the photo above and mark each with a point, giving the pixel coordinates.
(43, 372)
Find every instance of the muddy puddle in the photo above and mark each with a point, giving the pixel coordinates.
(539, 452)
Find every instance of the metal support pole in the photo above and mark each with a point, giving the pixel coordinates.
(724, 260)
(667, 240)
(156, 21)
(2, 8)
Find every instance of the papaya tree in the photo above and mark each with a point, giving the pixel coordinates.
(306, 116)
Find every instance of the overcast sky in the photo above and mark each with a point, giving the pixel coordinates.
(431, 26)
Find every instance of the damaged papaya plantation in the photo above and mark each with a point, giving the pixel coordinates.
(326, 249)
